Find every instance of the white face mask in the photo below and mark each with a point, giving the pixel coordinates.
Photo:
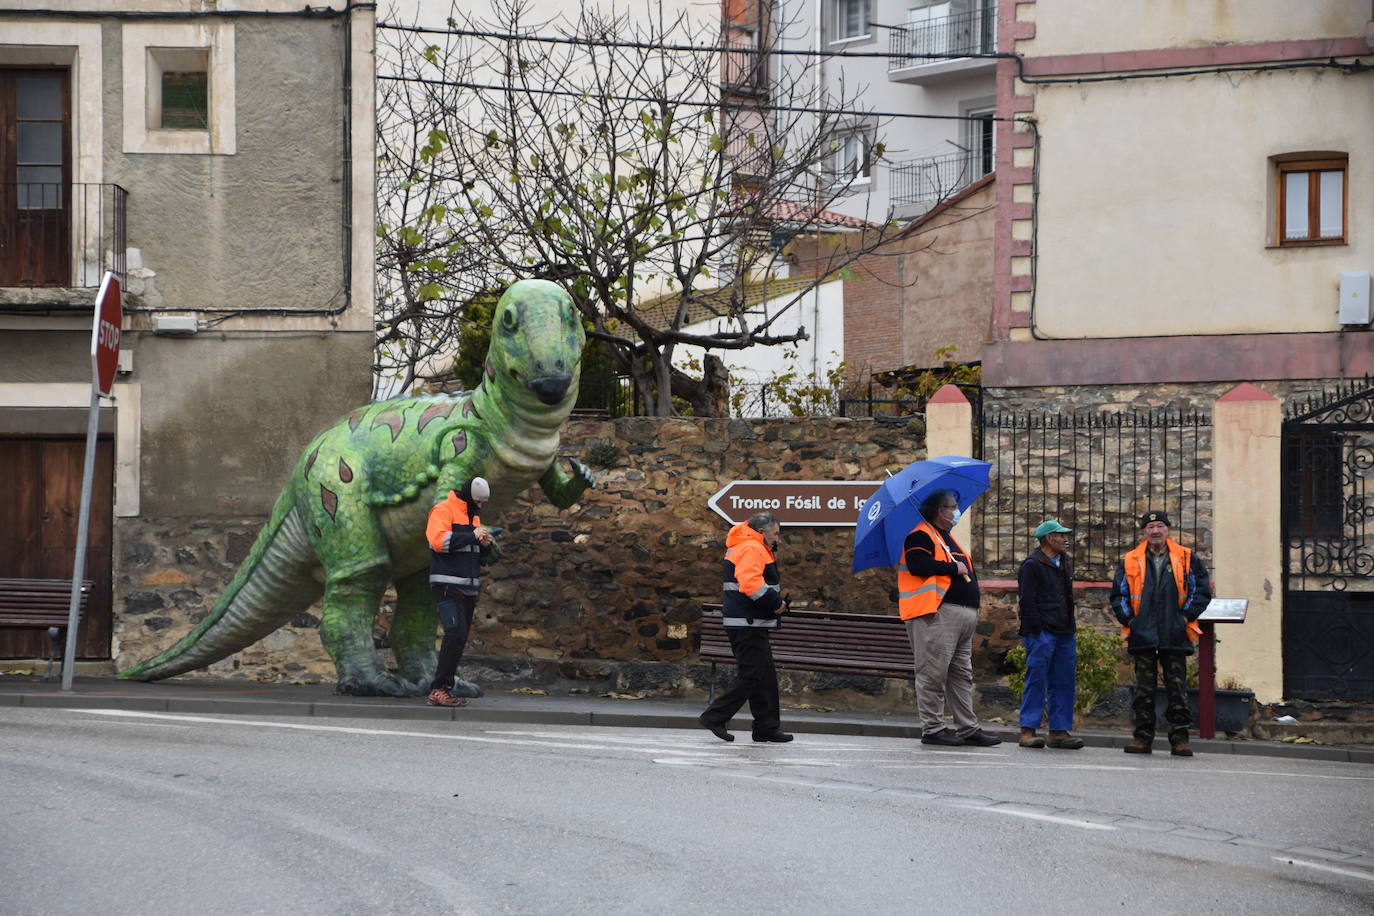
(954, 519)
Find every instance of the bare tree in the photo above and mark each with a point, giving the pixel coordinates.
(600, 153)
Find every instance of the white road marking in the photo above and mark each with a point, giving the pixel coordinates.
(695, 736)
(1349, 873)
(1053, 819)
(384, 732)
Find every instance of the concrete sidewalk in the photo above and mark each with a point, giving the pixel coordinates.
(217, 697)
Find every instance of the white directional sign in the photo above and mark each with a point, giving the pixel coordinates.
(818, 503)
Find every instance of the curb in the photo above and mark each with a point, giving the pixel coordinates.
(413, 711)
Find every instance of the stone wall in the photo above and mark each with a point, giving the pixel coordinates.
(619, 578)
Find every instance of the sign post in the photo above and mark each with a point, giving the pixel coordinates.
(109, 318)
(1219, 610)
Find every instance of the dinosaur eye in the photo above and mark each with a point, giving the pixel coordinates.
(509, 321)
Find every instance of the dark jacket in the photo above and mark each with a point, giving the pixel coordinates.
(1045, 599)
(1164, 614)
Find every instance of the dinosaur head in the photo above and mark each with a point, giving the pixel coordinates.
(536, 344)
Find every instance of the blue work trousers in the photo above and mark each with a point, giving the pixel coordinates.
(1050, 661)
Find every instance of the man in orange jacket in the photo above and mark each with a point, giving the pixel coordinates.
(1158, 592)
(752, 606)
(458, 542)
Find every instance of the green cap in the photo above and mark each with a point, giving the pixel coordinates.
(1051, 526)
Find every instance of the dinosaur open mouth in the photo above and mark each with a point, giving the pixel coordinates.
(551, 389)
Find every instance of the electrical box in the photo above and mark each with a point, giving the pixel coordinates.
(174, 324)
(1355, 304)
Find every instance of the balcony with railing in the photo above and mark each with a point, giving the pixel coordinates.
(940, 47)
(743, 64)
(61, 237)
(922, 184)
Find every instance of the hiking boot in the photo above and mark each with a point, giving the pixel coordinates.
(1030, 739)
(1139, 746)
(1180, 749)
(1065, 741)
(441, 697)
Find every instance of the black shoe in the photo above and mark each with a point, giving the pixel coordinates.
(774, 738)
(717, 730)
(979, 738)
(945, 738)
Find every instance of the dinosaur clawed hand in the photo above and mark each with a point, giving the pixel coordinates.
(584, 474)
(385, 685)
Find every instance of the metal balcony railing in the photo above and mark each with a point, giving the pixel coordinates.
(922, 183)
(64, 235)
(959, 35)
(743, 68)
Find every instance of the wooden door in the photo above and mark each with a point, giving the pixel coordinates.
(40, 503)
(35, 177)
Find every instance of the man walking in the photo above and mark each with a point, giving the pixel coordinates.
(938, 599)
(1159, 590)
(1045, 597)
(458, 543)
(752, 607)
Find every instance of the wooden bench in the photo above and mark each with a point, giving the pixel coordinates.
(37, 604)
(832, 642)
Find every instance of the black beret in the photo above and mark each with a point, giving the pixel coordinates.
(1153, 516)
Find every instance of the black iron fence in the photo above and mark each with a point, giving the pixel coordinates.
(64, 235)
(1097, 473)
(923, 183)
(962, 34)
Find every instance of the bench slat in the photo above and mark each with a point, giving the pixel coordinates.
(826, 641)
(30, 604)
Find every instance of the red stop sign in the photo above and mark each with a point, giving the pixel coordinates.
(109, 317)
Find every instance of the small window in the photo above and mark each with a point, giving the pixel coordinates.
(179, 89)
(851, 19)
(1312, 206)
(853, 157)
(185, 100)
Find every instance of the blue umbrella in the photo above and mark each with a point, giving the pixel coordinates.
(895, 508)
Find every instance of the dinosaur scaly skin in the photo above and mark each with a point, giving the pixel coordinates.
(352, 517)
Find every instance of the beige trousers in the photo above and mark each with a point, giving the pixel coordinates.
(942, 645)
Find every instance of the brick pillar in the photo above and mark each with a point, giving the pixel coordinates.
(1248, 554)
(949, 431)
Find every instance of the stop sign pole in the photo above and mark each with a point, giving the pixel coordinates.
(109, 318)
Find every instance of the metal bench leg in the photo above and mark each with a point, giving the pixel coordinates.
(712, 698)
(53, 634)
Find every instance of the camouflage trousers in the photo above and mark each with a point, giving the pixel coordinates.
(1175, 665)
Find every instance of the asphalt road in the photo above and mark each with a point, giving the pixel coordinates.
(121, 812)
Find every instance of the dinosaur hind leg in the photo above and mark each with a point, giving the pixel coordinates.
(412, 629)
(350, 604)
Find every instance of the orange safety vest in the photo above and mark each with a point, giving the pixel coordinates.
(1180, 561)
(917, 596)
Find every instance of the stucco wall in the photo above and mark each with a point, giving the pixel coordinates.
(261, 228)
(1155, 205)
(1075, 27)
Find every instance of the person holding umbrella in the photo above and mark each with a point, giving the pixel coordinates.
(938, 599)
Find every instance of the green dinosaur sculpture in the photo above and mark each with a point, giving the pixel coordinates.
(352, 517)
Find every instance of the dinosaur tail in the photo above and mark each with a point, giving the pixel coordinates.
(275, 583)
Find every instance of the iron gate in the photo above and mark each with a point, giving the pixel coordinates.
(1328, 527)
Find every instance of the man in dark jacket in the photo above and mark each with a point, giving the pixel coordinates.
(1159, 590)
(752, 607)
(1045, 595)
